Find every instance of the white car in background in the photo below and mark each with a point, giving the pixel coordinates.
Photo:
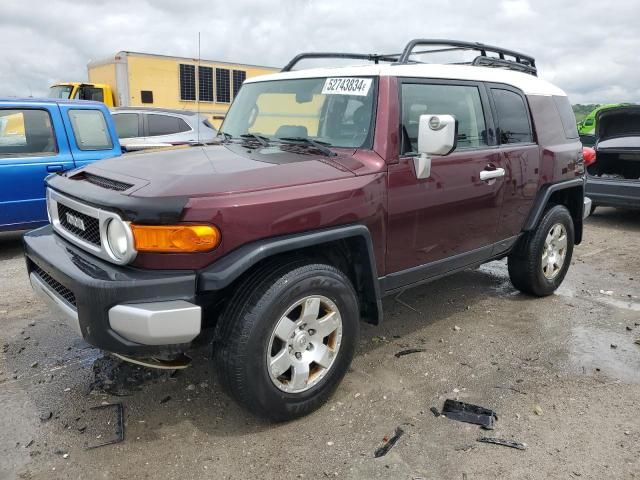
(140, 128)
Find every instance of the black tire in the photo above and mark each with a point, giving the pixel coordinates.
(525, 269)
(240, 350)
(593, 208)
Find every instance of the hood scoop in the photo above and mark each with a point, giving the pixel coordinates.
(108, 183)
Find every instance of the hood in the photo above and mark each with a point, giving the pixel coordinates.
(616, 122)
(219, 169)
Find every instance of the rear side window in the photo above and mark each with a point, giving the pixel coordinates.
(566, 116)
(90, 130)
(126, 125)
(513, 118)
(26, 132)
(461, 101)
(166, 125)
(90, 93)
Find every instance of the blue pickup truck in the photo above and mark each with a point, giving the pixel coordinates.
(40, 137)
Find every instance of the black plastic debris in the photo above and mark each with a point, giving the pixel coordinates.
(409, 351)
(384, 449)
(466, 412)
(119, 436)
(503, 442)
(435, 411)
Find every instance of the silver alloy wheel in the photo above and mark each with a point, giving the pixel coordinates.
(304, 344)
(554, 251)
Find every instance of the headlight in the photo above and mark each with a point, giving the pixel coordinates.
(119, 240)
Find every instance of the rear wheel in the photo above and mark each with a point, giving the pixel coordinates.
(287, 339)
(540, 261)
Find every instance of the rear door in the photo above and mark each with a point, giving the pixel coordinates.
(29, 151)
(521, 157)
(453, 214)
(166, 128)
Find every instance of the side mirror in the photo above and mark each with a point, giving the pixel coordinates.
(437, 135)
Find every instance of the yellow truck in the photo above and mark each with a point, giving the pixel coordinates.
(133, 79)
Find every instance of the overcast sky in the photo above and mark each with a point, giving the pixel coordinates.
(588, 48)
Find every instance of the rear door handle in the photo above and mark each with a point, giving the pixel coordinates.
(54, 168)
(489, 174)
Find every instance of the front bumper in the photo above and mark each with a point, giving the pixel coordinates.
(613, 193)
(116, 308)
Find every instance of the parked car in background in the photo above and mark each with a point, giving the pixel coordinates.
(40, 137)
(614, 163)
(140, 128)
(331, 188)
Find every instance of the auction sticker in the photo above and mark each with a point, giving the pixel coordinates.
(347, 86)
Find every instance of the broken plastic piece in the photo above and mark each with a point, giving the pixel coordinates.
(435, 411)
(384, 449)
(119, 424)
(503, 442)
(409, 351)
(466, 412)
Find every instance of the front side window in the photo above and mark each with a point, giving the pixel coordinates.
(513, 118)
(90, 130)
(461, 101)
(26, 132)
(165, 125)
(335, 111)
(127, 125)
(90, 93)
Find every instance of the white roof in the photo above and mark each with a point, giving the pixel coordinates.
(529, 84)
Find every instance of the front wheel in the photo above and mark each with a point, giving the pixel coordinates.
(540, 261)
(287, 339)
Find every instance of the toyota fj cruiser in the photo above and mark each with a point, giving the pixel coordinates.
(328, 189)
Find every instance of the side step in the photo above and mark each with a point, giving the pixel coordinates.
(177, 363)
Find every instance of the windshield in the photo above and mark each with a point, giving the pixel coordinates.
(60, 91)
(336, 112)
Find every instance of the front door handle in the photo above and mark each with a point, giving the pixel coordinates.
(490, 174)
(54, 168)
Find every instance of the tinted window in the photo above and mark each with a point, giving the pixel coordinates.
(566, 116)
(165, 125)
(513, 119)
(187, 82)
(90, 93)
(90, 130)
(146, 96)
(126, 125)
(223, 85)
(26, 132)
(463, 102)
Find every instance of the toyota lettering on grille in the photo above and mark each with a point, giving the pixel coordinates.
(75, 221)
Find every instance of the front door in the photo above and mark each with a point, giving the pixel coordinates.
(29, 151)
(453, 213)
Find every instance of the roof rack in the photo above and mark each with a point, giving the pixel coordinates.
(518, 61)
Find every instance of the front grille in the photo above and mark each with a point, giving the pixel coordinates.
(107, 182)
(91, 231)
(60, 289)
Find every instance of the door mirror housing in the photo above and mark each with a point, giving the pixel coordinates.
(437, 135)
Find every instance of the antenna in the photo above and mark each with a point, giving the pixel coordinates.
(198, 103)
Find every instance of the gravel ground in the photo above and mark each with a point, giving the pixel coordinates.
(548, 367)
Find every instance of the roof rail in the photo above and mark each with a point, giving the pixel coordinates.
(371, 57)
(518, 61)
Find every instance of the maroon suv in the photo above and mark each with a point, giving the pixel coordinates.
(328, 189)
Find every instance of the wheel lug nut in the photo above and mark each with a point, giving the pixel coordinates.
(298, 355)
(312, 331)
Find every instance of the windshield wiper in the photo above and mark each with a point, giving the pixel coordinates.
(320, 146)
(264, 141)
(227, 136)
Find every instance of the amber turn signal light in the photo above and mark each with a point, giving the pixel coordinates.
(175, 238)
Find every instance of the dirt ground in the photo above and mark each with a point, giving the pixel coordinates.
(570, 357)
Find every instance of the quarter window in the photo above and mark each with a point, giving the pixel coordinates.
(513, 119)
(126, 125)
(26, 132)
(165, 125)
(90, 130)
(461, 101)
